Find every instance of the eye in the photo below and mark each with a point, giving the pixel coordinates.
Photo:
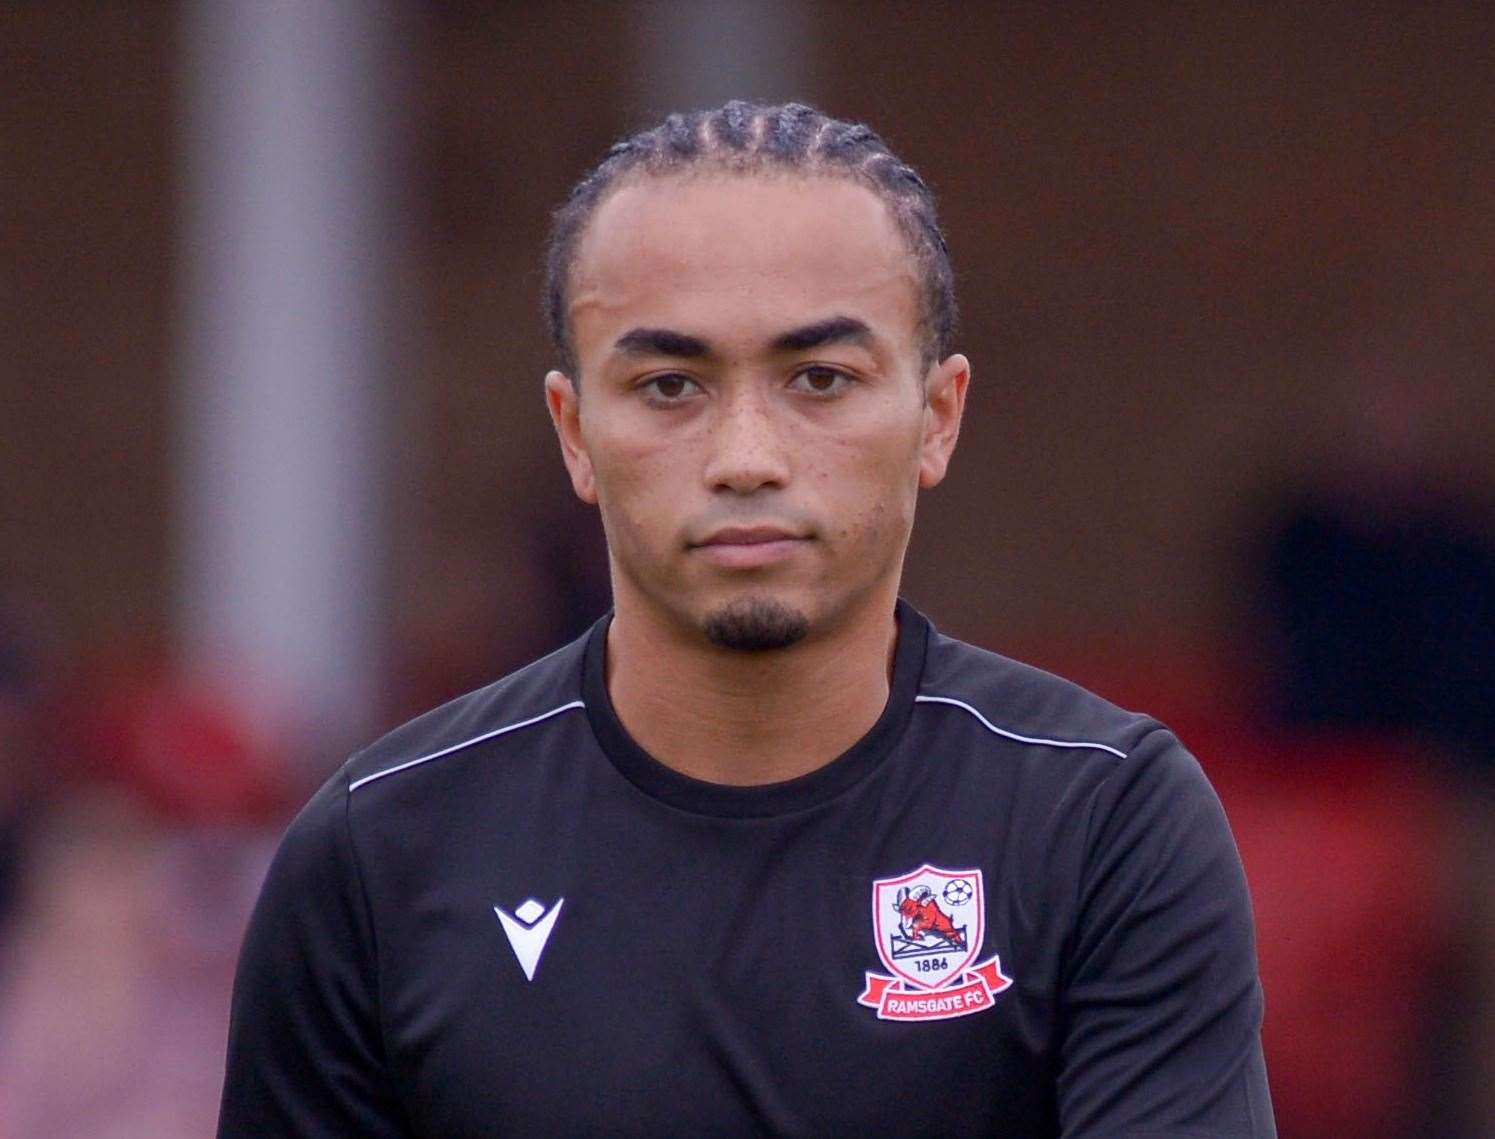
(668, 389)
(820, 380)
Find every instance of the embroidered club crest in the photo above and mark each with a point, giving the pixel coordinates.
(929, 925)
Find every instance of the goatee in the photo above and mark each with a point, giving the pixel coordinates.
(755, 625)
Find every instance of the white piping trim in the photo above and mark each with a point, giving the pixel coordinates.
(357, 783)
(1013, 735)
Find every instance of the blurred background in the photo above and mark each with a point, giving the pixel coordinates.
(275, 471)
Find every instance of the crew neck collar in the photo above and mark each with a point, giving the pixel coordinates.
(760, 801)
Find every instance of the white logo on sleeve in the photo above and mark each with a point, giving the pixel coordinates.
(528, 928)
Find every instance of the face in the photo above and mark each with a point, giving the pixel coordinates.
(753, 416)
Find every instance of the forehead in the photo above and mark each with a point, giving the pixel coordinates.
(742, 257)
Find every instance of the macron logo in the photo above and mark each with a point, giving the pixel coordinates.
(528, 929)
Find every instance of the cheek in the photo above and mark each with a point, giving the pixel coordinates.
(637, 491)
(869, 485)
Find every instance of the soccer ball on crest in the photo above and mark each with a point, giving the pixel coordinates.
(958, 892)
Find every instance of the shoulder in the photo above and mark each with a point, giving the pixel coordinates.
(389, 798)
(541, 691)
(1094, 763)
(1023, 705)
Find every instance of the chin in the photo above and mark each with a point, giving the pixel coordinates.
(755, 625)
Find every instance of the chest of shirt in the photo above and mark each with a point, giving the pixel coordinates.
(885, 964)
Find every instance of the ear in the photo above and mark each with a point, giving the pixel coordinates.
(564, 402)
(944, 403)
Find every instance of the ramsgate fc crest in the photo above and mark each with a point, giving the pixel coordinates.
(929, 925)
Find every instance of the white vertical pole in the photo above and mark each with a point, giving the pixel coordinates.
(286, 149)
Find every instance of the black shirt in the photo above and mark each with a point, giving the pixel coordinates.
(1010, 909)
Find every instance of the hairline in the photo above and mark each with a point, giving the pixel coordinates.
(737, 165)
(711, 167)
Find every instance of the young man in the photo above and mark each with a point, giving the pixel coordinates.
(762, 853)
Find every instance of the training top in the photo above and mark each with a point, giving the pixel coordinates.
(1010, 909)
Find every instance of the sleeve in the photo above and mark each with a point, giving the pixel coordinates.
(1162, 1002)
(305, 1056)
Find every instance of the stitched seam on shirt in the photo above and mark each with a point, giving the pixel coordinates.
(442, 753)
(368, 915)
(1095, 795)
(1008, 734)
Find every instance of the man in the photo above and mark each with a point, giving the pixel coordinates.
(656, 883)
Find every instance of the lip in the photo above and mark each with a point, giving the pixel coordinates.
(748, 547)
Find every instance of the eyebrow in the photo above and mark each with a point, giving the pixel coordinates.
(660, 342)
(833, 330)
(667, 342)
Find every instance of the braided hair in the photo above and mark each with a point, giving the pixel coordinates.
(742, 137)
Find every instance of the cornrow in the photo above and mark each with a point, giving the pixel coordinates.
(745, 138)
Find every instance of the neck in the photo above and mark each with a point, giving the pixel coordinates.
(749, 718)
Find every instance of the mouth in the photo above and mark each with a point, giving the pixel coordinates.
(748, 547)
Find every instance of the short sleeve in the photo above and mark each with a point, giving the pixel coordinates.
(304, 1051)
(1162, 1001)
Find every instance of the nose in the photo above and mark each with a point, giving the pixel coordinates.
(746, 451)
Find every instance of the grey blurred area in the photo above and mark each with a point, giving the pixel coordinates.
(277, 473)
